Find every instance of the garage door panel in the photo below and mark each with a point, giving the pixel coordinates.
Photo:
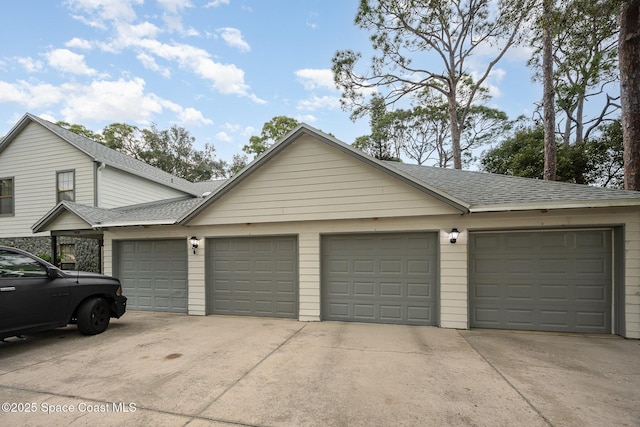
(391, 312)
(555, 293)
(517, 242)
(561, 281)
(419, 314)
(255, 276)
(519, 292)
(588, 320)
(288, 288)
(388, 266)
(591, 293)
(363, 289)
(418, 290)
(379, 278)
(519, 317)
(391, 290)
(364, 312)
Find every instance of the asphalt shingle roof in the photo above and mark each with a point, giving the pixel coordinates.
(165, 211)
(119, 160)
(481, 189)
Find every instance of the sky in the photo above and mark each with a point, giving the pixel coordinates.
(218, 68)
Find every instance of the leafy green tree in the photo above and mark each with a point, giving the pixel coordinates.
(379, 143)
(423, 132)
(595, 161)
(584, 54)
(172, 151)
(124, 138)
(272, 131)
(424, 45)
(605, 154)
(80, 130)
(523, 155)
(238, 162)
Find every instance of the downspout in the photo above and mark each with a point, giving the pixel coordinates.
(97, 189)
(96, 200)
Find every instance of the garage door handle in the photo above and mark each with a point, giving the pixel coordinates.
(8, 289)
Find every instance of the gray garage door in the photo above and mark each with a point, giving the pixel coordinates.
(545, 281)
(153, 274)
(380, 278)
(253, 276)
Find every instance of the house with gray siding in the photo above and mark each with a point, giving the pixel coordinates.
(315, 230)
(42, 164)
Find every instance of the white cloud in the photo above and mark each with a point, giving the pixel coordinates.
(67, 61)
(174, 6)
(101, 100)
(78, 44)
(29, 64)
(191, 116)
(216, 3)
(226, 78)
(112, 101)
(149, 63)
(30, 96)
(233, 38)
(231, 127)
(129, 35)
(249, 131)
(316, 78)
(317, 103)
(105, 10)
(223, 136)
(143, 39)
(307, 118)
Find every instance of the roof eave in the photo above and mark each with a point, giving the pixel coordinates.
(15, 130)
(579, 204)
(53, 214)
(134, 223)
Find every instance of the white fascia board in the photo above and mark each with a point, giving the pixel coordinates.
(557, 205)
(133, 223)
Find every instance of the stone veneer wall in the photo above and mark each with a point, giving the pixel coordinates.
(87, 250)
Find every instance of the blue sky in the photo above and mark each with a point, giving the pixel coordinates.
(219, 68)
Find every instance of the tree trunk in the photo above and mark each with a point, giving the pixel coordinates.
(548, 96)
(566, 138)
(579, 120)
(629, 57)
(455, 129)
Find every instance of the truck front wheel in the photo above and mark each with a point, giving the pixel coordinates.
(93, 316)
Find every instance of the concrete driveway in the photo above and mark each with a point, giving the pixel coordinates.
(175, 370)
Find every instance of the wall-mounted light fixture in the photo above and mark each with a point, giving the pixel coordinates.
(453, 235)
(194, 243)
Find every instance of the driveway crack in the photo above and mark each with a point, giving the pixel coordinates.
(253, 368)
(495, 368)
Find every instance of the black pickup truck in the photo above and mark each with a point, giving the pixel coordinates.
(36, 296)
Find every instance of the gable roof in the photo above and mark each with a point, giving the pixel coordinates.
(100, 153)
(165, 212)
(305, 129)
(467, 191)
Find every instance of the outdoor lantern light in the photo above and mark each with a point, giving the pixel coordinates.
(453, 235)
(194, 243)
